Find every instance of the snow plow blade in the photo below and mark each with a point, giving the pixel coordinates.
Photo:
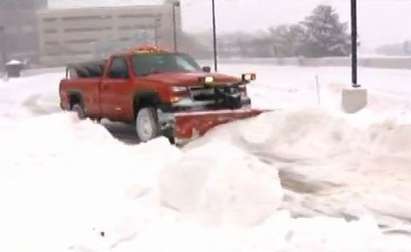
(191, 125)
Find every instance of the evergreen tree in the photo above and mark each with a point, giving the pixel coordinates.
(287, 40)
(325, 35)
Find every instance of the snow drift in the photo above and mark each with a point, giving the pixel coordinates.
(326, 161)
(215, 181)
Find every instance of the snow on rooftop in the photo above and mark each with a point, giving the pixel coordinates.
(14, 62)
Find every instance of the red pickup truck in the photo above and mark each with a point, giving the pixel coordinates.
(162, 93)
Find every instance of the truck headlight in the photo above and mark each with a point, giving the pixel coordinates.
(179, 93)
(179, 89)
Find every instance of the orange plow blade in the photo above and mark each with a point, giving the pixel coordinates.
(194, 124)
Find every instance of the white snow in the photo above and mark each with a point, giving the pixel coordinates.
(14, 62)
(303, 177)
(215, 185)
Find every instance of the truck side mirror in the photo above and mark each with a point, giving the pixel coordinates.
(206, 69)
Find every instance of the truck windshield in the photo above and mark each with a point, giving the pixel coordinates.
(146, 64)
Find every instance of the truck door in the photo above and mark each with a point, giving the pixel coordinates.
(114, 92)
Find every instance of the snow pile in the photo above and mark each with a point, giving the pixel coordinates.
(215, 181)
(29, 96)
(67, 185)
(325, 161)
(61, 179)
(299, 133)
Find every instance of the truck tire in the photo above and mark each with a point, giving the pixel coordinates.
(79, 110)
(147, 127)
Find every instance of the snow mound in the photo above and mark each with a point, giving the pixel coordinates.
(299, 133)
(62, 178)
(25, 97)
(325, 161)
(221, 184)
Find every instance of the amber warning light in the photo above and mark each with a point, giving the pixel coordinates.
(207, 80)
(247, 77)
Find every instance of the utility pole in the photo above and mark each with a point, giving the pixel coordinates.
(175, 5)
(2, 48)
(354, 36)
(214, 38)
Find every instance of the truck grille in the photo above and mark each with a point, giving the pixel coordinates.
(212, 93)
(202, 93)
(224, 97)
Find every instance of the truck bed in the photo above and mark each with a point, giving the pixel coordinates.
(92, 69)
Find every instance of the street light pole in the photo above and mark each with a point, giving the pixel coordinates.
(156, 25)
(175, 5)
(2, 48)
(214, 38)
(355, 98)
(354, 34)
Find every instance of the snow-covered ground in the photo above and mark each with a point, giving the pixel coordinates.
(305, 177)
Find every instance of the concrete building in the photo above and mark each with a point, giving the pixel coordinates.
(18, 28)
(74, 35)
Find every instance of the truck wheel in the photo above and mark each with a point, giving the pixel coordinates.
(78, 109)
(147, 127)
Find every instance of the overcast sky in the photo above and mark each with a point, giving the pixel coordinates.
(380, 21)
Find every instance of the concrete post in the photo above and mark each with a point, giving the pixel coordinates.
(354, 99)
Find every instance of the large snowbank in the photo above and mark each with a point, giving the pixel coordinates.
(297, 179)
(63, 179)
(70, 186)
(214, 183)
(325, 161)
(34, 95)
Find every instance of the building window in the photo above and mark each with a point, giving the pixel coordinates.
(49, 31)
(49, 19)
(84, 18)
(89, 29)
(80, 41)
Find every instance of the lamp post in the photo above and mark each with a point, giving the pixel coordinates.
(175, 5)
(354, 34)
(214, 37)
(2, 48)
(156, 32)
(354, 99)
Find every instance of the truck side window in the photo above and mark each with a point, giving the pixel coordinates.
(118, 68)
